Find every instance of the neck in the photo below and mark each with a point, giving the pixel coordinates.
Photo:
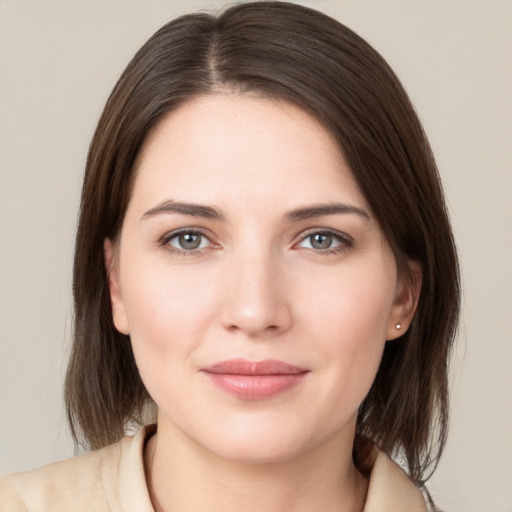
(184, 476)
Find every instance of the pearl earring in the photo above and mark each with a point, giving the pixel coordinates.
(398, 327)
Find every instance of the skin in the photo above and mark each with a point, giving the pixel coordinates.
(257, 287)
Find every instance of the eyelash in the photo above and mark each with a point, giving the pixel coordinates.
(344, 241)
(166, 239)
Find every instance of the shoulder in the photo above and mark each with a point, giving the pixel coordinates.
(390, 488)
(94, 481)
(63, 485)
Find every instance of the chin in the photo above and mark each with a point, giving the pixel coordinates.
(255, 453)
(265, 444)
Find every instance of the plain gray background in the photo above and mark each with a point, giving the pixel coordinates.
(58, 63)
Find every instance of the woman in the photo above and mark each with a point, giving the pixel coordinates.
(264, 267)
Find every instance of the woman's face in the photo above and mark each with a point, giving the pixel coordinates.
(253, 280)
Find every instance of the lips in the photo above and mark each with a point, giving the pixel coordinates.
(255, 380)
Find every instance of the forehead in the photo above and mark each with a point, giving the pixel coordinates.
(223, 147)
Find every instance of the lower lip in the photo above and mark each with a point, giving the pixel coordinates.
(255, 387)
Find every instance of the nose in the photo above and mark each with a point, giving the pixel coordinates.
(256, 297)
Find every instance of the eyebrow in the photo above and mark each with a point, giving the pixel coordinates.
(208, 212)
(319, 210)
(195, 210)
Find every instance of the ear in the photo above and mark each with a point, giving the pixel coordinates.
(119, 316)
(405, 302)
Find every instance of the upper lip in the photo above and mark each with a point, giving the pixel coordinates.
(245, 367)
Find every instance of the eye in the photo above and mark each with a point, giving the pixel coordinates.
(325, 241)
(187, 241)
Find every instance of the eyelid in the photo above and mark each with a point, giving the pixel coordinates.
(346, 241)
(330, 231)
(167, 237)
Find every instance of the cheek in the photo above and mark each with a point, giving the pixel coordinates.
(349, 322)
(352, 305)
(168, 311)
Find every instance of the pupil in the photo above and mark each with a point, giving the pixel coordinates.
(190, 241)
(321, 241)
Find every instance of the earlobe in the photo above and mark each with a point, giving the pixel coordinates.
(116, 299)
(405, 302)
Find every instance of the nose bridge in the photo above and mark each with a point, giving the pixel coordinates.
(256, 300)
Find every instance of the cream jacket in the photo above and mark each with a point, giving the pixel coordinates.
(112, 480)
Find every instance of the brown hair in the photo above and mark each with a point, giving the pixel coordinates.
(286, 51)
